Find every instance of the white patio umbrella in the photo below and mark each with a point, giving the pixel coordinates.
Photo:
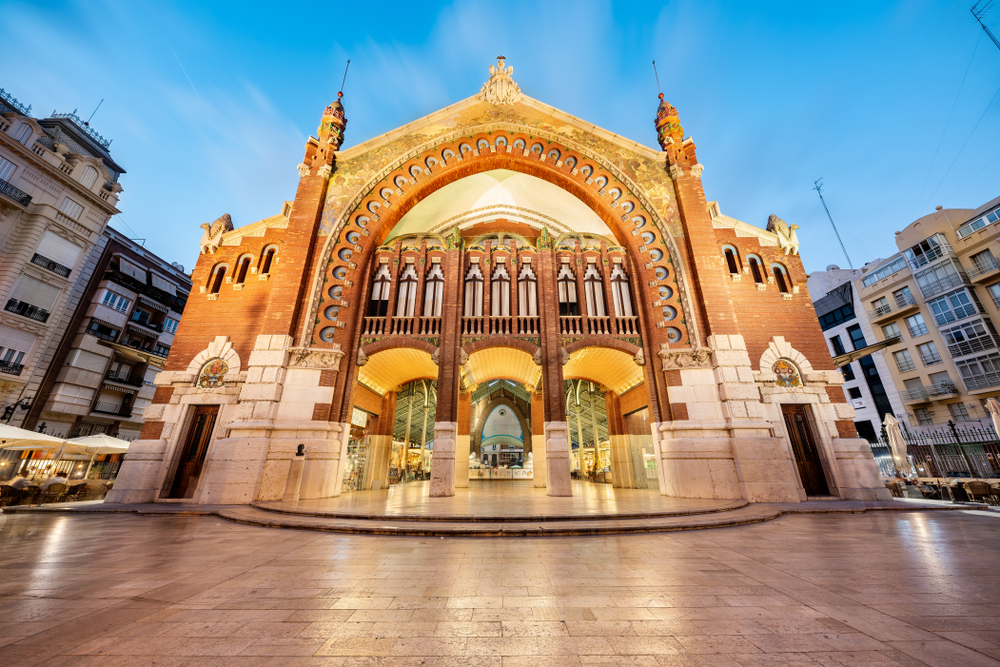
(994, 408)
(99, 444)
(10, 435)
(40, 441)
(896, 443)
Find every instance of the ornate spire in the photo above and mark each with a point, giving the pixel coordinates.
(500, 88)
(333, 124)
(668, 125)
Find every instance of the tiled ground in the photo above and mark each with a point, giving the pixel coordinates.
(887, 588)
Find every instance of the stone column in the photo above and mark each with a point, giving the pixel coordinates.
(551, 358)
(463, 443)
(538, 438)
(446, 418)
(380, 444)
(622, 468)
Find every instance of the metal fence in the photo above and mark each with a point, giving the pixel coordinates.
(950, 452)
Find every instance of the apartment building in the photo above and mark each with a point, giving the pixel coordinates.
(868, 382)
(941, 297)
(58, 189)
(101, 377)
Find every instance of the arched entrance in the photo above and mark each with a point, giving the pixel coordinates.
(501, 443)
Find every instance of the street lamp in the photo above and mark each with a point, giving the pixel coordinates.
(8, 413)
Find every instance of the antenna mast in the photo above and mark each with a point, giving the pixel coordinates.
(658, 89)
(95, 111)
(979, 14)
(345, 75)
(818, 187)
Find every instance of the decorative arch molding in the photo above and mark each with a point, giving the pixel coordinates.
(555, 172)
(397, 342)
(779, 348)
(499, 341)
(611, 343)
(220, 348)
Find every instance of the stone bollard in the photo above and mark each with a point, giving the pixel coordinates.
(294, 476)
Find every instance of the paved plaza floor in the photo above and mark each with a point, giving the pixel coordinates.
(874, 589)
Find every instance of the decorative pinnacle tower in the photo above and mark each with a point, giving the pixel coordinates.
(333, 124)
(668, 125)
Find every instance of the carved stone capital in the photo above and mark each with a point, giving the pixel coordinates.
(697, 169)
(676, 171)
(325, 171)
(640, 358)
(308, 357)
(363, 358)
(303, 169)
(676, 359)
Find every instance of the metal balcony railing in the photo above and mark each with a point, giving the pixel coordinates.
(981, 381)
(905, 365)
(147, 324)
(944, 284)
(982, 267)
(14, 194)
(972, 345)
(917, 330)
(928, 392)
(898, 303)
(27, 310)
(931, 255)
(125, 378)
(930, 359)
(51, 265)
(11, 369)
(112, 409)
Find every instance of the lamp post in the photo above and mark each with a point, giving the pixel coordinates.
(8, 413)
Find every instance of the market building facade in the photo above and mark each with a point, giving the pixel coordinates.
(499, 252)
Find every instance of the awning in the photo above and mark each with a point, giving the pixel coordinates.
(116, 327)
(845, 359)
(152, 304)
(120, 390)
(138, 328)
(132, 353)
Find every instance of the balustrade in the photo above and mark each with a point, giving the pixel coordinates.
(571, 326)
(373, 326)
(429, 326)
(401, 326)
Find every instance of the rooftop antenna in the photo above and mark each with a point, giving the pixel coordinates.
(818, 187)
(95, 111)
(658, 89)
(345, 77)
(980, 13)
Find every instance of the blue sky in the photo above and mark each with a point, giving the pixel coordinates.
(209, 103)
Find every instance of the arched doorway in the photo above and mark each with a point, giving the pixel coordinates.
(501, 432)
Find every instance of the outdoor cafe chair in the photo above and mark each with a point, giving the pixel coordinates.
(930, 492)
(978, 489)
(54, 493)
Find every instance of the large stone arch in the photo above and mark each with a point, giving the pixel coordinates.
(384, 212)
(476, 430)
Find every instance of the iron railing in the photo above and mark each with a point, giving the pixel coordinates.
(928, 392)
(11, 369)
(982, 267)
(947, 452)
(25, 309)
(12, 102)
(15, 194)
(112, 409)
(51, 265)
(125, 378)
(85, 126)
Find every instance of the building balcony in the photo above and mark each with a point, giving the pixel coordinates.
(174, 303)
(51, 265)
(11, 369)
(114, 409)
(930, 359)
(983, 269)
(983, 381)
(19, 197)
(898, 305)
(131, 380)
(971, 346)
(27, 310)
(152, 326)
(932, 392)
(938, 286)
(931, 256)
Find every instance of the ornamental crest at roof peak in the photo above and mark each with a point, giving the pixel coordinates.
(500, 87)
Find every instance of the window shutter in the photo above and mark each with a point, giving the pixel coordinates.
(59, 249)
(88, 177)
(164, 284)
(89, 361)
(71, 208)
(6, 169)
(133, 270)
(35, 292)
(15, 339)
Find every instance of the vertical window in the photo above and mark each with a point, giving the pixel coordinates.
(903, 297)
(566, 281)
(903, 361)
(88, 177)
(593, 288)
(500, 292)
(891, 330)
(757, 269)
(916, 325)
(23, 134)
(923, 416)
(621, 293)
(732, 261)
(215, 282)
(378, 304)
(170, 325)
(474, 292)
(433, 291)
(527, 292)
(71, 208)
(881, 307)
(958, 412)
(241, 270)
(407, 292)
(857, 337)
(838, 346)
(929, 354)
(6, 169)
(267, 260)
(781, 278)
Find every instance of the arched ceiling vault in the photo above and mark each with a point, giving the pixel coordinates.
(497, 363)
(613, 368)
(388, 369)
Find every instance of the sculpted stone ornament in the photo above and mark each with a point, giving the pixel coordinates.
(788, 241)
(640, 358)
(698, 357)
(303, 169)
(436, 357)
(363, 358)
(500, 88)
(537, 357)
(211, 238)
(463, 357)
(308, 357)
(696, 170)
(564, 355)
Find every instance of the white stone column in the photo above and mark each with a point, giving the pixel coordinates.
(443, 461)
(557, 471)
(463, 445)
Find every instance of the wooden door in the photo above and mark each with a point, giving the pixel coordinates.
(192, 456)
(806, 452)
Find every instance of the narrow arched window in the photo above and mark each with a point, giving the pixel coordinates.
(88, 177)
(781, 278)
(621, 293)
(593, 288)
(756, 269)
(378, 304)
(433, 291)
(527, 292)
(215, 282)
(566, 281)
(267, 259)
(500, 292)
(732, 260)
(474, 292)
(241, 270)
(407, 292)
